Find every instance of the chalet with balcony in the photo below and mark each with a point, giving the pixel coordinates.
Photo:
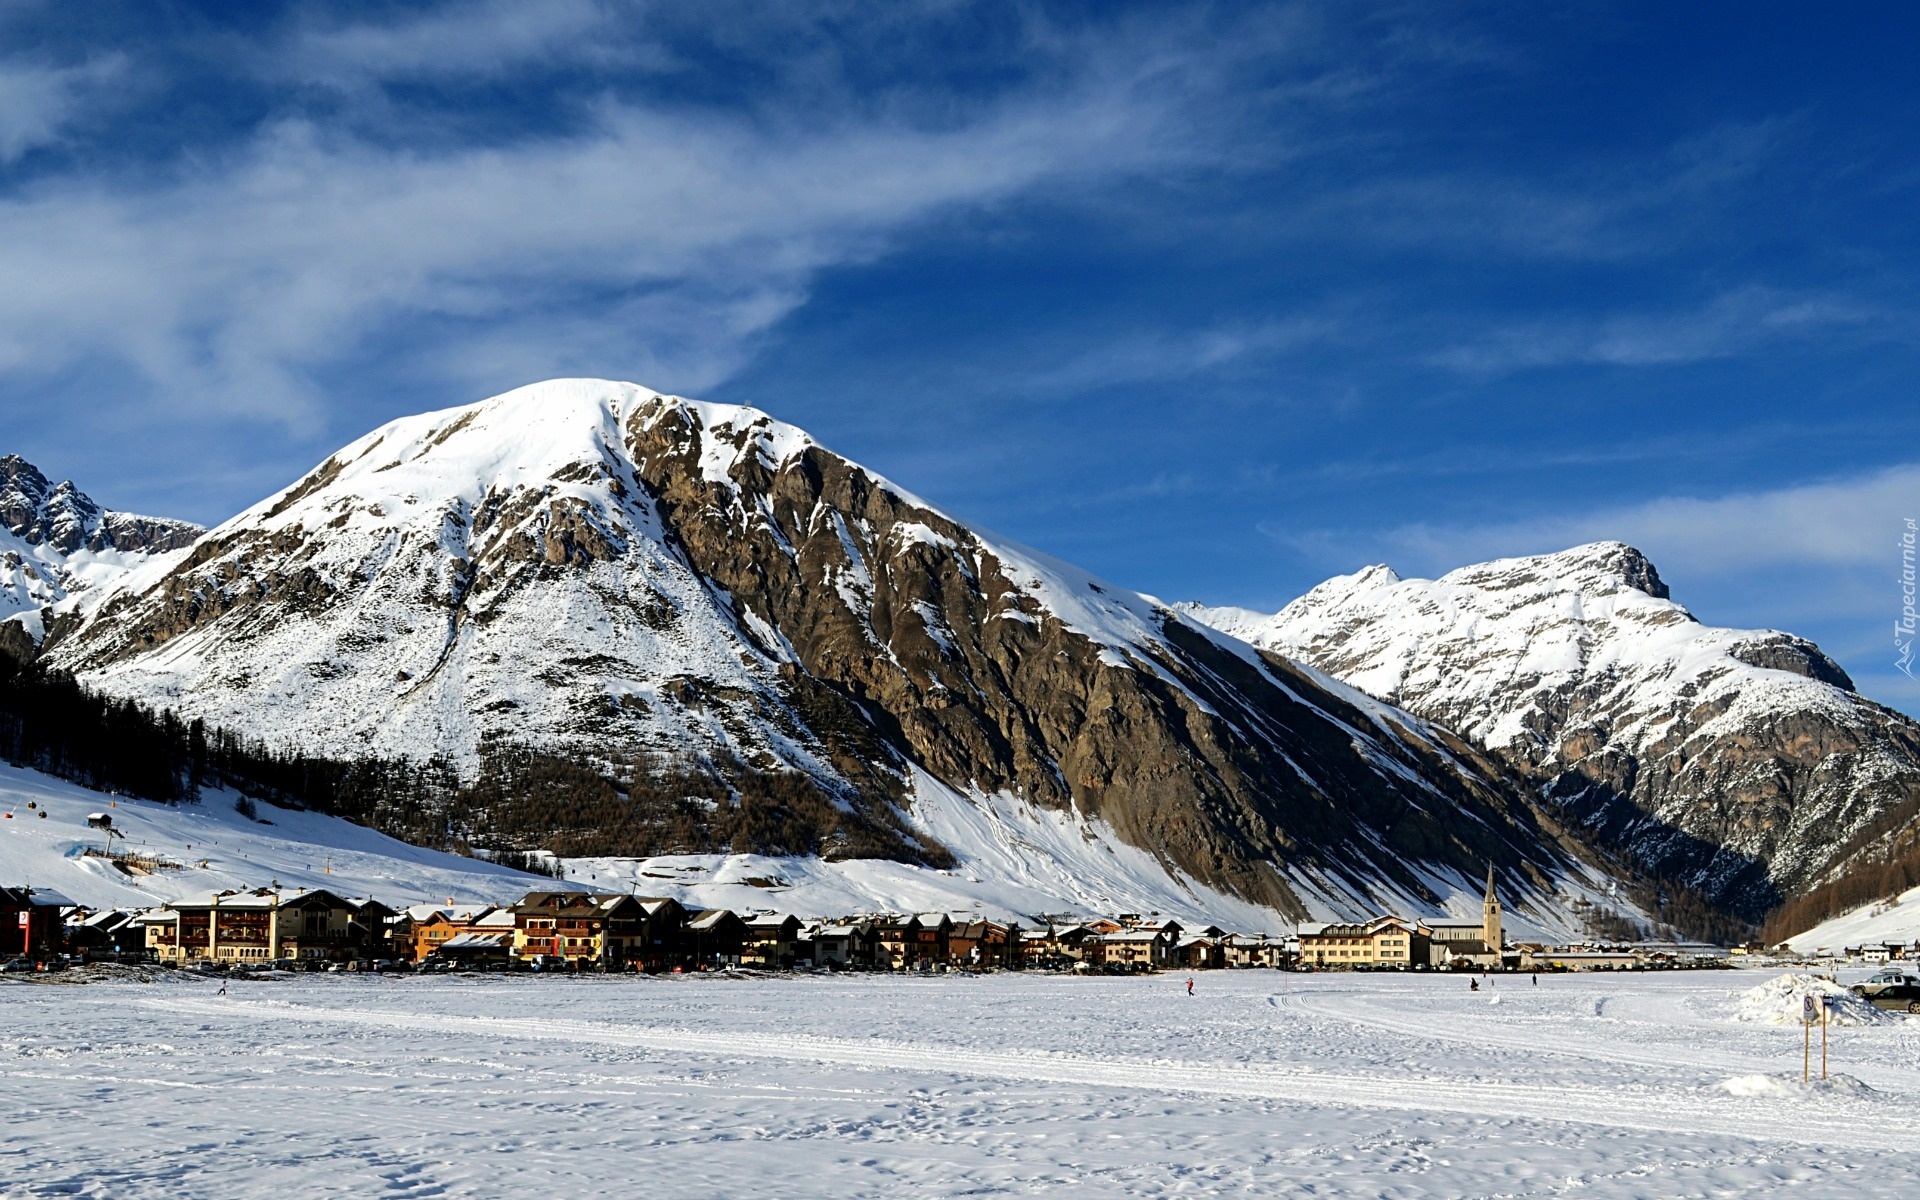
(1246, 950)
(596, 930)
(269, 924)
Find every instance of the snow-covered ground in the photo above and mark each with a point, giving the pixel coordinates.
(1260, 1084)
(297, 849)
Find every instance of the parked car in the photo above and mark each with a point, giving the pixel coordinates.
(1892, 989)
(16, 964)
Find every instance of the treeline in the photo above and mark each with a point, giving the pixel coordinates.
(1871, 884)
(519, 800)
(1688, 913)
(1678, 911)
(49, 723)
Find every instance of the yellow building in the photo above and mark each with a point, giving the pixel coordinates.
(1381, 942)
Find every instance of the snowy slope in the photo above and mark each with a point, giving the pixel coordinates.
(1897, 922)
(1740, 760)
(299, 849)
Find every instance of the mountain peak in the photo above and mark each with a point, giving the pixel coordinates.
(1620, 559)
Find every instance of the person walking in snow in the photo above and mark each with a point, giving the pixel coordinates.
(1189, 985)
(1473, 985)
(223, 988)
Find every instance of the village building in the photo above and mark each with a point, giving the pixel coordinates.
(268, 925)
(486, 942)
(1247, 950)
(32, 923)
(713, 937)
(931, 940)
(847, 945)
(596, 930)
(896, 941)
(1381, 942)
(771, 941)
(1586, 959)
(1058, 947)
(423, 928)
(109, 933)
(1134, 949)
(983, 943)
(1197, 952)
(1478, 946)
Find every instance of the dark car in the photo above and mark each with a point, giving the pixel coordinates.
(1894, 990)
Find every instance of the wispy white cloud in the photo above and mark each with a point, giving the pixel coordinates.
(1589, 209)
(477, 40)
(227, 286)
(1153, 356)
(38, 101)
(1832, 523)
(1729, 325)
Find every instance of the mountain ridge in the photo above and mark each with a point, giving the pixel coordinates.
(56, 542)
(1741, 762)
(584, 565)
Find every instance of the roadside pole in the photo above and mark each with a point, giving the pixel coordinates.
(1806, 1037)
(1825, 1009)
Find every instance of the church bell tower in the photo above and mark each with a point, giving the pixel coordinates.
(1490, 916)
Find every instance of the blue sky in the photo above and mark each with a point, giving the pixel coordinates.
(1215, 300)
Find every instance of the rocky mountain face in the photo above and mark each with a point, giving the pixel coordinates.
(594, 568)
(1740, 762)
(57, 542)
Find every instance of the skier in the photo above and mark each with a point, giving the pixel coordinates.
(1536, 980)
(1473, 985)
(223, 988)
(1189, 987)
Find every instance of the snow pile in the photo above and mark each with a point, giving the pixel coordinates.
(1782, 1001)
(1791, 1085)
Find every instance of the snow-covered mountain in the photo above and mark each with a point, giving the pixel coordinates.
(55, 542)
(594, 568)
(1739, 761)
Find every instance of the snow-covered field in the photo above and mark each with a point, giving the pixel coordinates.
(1260, 1084)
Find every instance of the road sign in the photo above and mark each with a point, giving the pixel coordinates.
(1810, 1008)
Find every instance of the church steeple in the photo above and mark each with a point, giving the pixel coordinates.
(1490, 916)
